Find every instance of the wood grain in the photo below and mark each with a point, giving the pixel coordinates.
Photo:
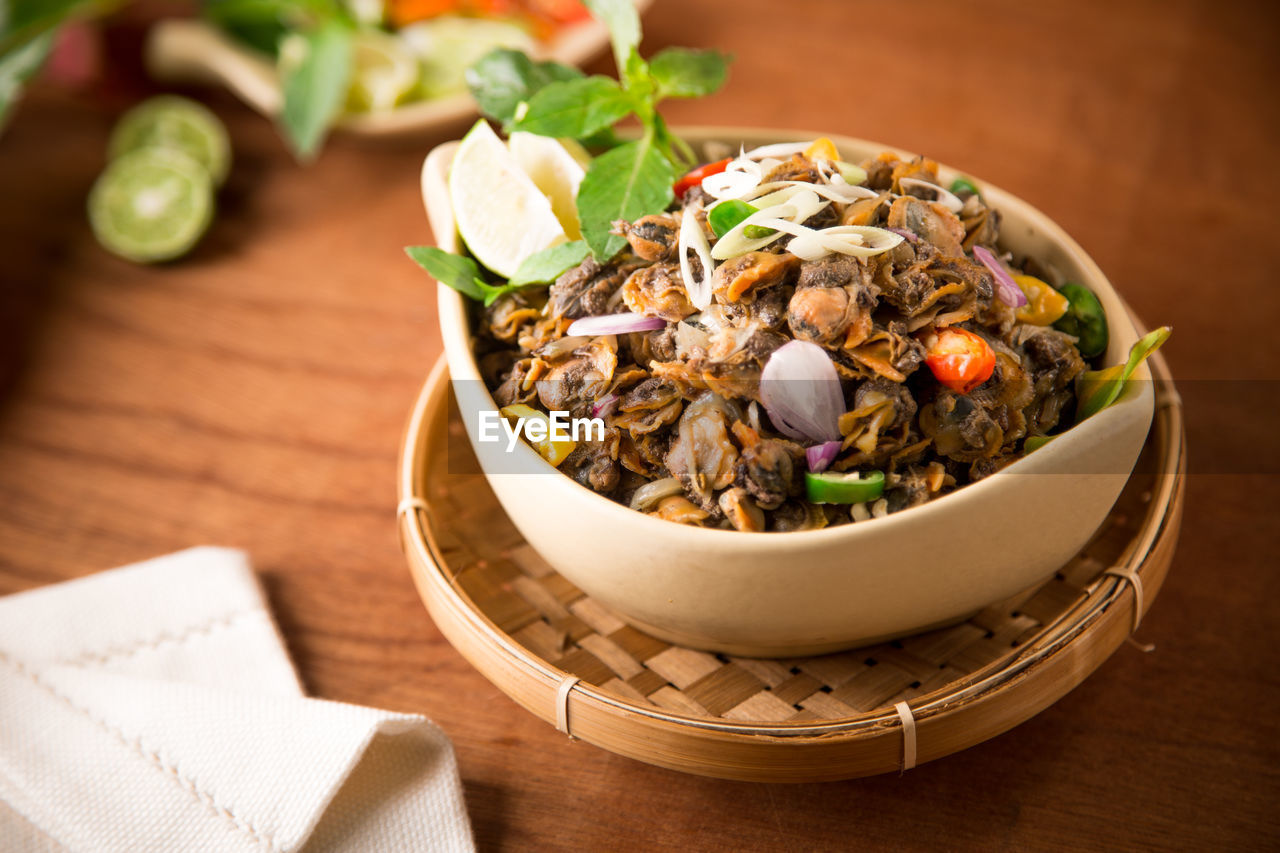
(253, 395)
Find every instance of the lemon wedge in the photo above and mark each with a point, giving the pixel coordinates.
(501, 214)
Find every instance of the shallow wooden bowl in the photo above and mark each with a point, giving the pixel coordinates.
(566, 658)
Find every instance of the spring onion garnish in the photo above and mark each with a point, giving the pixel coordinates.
(859, 240)
(731, 183)
(852, 174)
(614, 324)
(692, 239)
(821, 455)
(800, 389)
(1007, 290)
(839, 191)
(943, 197)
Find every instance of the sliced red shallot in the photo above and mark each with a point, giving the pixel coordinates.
(615, 324)
(604, 406)
(821, 455)
(1007, 290)
(800, 389)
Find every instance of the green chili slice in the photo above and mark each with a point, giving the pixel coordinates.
(1084, 319)
(855, 487)
(726, 215)
(964, 186)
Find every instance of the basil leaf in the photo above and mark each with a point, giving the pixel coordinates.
(623, 23)
(627, 182)
(451, 270)
(548, 264)
(576, 108)
(684, 73)
(503, 78)
(315, 88)
(1100, 388)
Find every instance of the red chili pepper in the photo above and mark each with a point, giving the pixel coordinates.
(960, 359)
(695, 177)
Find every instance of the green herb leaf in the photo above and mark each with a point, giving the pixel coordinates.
(1100, 388)
(258, 23)
(628, 182)
(548, 264)
(576, 108)
(315, 88)
(456, 271)
(503, 78)
(684, 73)
(18, 65)
(620, 17)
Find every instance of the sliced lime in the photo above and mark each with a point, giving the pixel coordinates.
(556, 171)
(501, 214)
(450, 44)
(168, 121)
(384, 72)
(152, 204)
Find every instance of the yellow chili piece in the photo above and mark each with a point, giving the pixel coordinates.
(822, 149)
(1045, 306)
(554, 452)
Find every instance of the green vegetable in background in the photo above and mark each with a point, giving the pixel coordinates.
(315, 83)
(312, 41)
(27, 31)
(629, 180)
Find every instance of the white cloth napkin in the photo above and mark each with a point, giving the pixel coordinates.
(154, 707)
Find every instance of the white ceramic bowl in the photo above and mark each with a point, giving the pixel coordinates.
(809, 592)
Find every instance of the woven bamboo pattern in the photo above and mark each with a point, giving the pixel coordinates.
(507, 581)
(528, 629)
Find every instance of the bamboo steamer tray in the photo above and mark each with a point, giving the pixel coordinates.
(877, 709)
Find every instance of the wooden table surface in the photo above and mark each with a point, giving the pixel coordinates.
(253, 395)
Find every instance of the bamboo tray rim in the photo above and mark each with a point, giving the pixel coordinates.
(1102, 595)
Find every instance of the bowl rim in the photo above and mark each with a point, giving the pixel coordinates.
(451, 307)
